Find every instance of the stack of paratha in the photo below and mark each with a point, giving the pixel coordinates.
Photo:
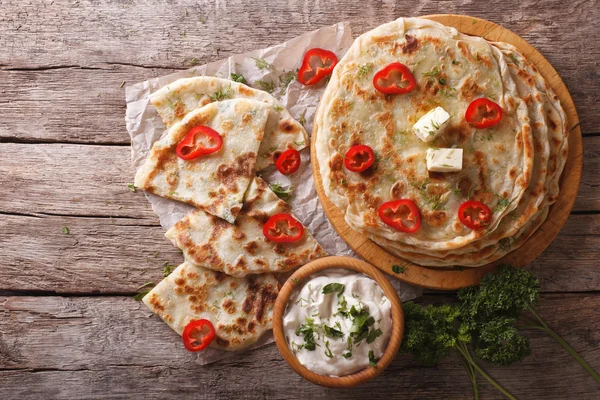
(513, 167)
(227, 277)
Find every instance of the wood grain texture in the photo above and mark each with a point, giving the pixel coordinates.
(111, 35)
(73, 179)
(61, 68)
(298, 280)
(110, 347)
(67, 179)
(117, 255)
(454, 278)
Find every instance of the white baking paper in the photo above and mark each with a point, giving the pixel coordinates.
(145, 127)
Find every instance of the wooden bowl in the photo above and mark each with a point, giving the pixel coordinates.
(295, 282)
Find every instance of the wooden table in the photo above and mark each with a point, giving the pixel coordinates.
(76, 243)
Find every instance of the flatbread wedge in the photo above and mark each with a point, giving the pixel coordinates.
(240, 249)
(240, 309)
(216, 182)
(282, 132)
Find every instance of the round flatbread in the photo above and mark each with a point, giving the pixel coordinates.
(451, 70)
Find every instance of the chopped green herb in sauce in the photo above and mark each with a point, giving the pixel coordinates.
(372, 359)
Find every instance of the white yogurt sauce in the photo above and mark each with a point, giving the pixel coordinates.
(315, 317)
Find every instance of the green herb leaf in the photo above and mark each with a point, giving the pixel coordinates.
(237, 78)
(283, 192)
(263, 64)
(278, 108)
(131, 187)
(286, 78)
(372, 359)
(308, 331)
(364, 70)
(374, 334)
(333, 288)
(141, 295)
(65, 230)
(435, 71)
(347, 355)
(398, 269)
(332, 332)
(342, 305)
(148, 286)
(222, 94)
(167, 268)
(328, 352)
(267, 86)
(302, 119)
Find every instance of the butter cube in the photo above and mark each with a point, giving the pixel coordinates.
(444, 160)
(430, 125)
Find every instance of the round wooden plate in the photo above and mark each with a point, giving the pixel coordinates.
(454, 278)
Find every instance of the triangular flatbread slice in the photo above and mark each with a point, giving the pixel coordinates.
(240, 249)
(282, 132)
(216, 182)
(240, 309)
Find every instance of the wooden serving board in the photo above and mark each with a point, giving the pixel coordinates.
(454, 278)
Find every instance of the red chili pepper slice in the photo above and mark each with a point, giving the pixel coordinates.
(198, 334)
(359, 158)
(199, 141)
(402, 215)
(288, 162)
(483, 113)
(316, 65)
(474, 214)
(396, 78)
(283, 228)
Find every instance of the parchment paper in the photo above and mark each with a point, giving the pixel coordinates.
(145, 127)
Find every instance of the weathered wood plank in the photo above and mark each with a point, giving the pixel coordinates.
(68, 104)
(110, 347)
(118, 255)
(91, 180)
(103, 255)
(63, 104)
(69, 180)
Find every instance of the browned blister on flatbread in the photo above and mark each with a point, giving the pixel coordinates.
(240, 249)
(174, 101)
(240, 309)
(215, 182)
